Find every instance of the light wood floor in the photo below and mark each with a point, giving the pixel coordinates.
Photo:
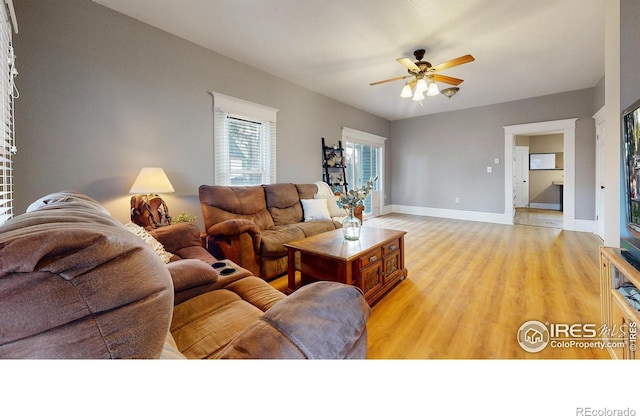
(538, 217)
(471, 285)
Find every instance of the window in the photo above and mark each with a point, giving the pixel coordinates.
(8, 93)
(244, 142)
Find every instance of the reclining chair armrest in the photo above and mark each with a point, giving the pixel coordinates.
(322, 320)
(236, 227)
(191, 277)
(177, 236)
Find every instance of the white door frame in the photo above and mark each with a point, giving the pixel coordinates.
(599, 118)
(565, 127)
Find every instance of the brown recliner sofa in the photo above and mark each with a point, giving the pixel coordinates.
(250, 224)
(75, 283)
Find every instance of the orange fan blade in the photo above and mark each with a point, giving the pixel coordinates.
(454, 62)
(390, 80)
(447, 80)
(408, 63)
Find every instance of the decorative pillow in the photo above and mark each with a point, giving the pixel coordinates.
(315, 209)
(332, 204)
(148, 238)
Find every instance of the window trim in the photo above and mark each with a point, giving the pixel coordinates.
(9, 93)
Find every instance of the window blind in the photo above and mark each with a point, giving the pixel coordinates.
(244, 142)
(8, 93)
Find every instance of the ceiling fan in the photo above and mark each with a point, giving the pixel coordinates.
(425, 77)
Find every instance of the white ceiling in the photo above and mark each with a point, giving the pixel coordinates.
(523, 48)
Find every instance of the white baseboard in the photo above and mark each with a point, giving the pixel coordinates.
(450, 213)
(570, 224)
(587, 226)
(541, 205)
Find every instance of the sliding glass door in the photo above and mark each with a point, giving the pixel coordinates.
(364, 161)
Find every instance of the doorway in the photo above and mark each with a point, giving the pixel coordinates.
(538, 186)
(567, 129)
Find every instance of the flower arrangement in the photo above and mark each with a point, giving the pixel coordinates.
(356, 196)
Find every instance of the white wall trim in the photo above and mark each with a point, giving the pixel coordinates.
(587, 226)
(454, 214)
(599, 116)
(567, 127)
(246, 108)
(544, 205)
(363, 136)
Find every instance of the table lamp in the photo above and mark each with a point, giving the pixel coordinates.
(147, 207)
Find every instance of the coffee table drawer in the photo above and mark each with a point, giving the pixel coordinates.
(391, 247)
(370, 257)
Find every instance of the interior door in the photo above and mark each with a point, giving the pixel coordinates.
(521, 177)
(600, 180)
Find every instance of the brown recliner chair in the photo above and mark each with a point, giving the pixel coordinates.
(74, 283)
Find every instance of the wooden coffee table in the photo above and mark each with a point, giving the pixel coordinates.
(375, 263)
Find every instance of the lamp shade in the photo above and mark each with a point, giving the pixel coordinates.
(421, 85)
(406, 91)
(151, 181)
(433, 89)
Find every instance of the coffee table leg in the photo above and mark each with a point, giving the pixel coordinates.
(291, 258)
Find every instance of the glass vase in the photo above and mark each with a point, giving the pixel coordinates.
(351, 226)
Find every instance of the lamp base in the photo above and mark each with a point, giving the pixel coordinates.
(149, 211)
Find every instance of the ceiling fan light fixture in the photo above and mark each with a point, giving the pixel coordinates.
(421, 85)
(433, 89)
(406, 91)
(450, 92)
(418, 96)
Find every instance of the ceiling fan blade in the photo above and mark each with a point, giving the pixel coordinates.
(447, 80)
(454, 62)
(409, 64)
(390, 80)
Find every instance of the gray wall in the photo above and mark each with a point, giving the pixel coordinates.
(103, 95)
(439, 157)
(598, 95)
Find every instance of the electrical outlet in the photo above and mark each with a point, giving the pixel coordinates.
(489, 169)
(457, 200)
(496, 161)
